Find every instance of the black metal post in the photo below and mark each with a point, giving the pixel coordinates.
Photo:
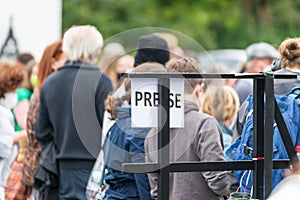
(258, 138)
(269, 132)
(163, 138)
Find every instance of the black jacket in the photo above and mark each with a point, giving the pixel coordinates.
(70, 113)
(46, 174)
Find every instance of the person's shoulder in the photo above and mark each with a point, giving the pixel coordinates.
(287, 188)
(58, 74)
(124, 125)
(103, 76)
(199, 116)
(193, 115)
(284, 71)
(104, 82)
(50, 79)
(205, 118)
(53, 79)
(197, 119)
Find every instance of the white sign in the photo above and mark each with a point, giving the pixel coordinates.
(145, 102)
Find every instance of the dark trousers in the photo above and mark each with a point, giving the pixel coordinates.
(72, 184)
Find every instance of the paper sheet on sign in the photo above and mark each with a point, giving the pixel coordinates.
(144, 102)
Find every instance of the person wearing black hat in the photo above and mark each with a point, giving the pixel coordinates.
(151, 48)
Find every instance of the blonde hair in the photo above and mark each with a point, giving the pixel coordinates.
(221, 103)
(81, 42)
(290, 53)
(109, 60)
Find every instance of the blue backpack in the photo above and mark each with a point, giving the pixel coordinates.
(242, 148)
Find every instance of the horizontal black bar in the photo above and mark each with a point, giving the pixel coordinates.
(276, 75)
(204, 75)
(221, 166)
(200, 166)
(188, 75)
(281, 164)
(211, 166)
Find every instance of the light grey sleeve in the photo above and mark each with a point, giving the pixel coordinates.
(150, 157)
(210, 148)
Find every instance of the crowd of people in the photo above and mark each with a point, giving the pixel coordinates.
(57, 114)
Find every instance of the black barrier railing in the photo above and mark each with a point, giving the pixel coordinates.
(268, 132)
(261, 164)
(258, 136)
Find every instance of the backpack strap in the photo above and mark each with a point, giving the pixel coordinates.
(230, 150)
(294, 92)
(286, 138)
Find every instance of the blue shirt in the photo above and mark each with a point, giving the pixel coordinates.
(227, 135)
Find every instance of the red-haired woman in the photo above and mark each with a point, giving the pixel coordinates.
(52, 59)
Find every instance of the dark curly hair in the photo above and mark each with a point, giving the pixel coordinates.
(11, 76)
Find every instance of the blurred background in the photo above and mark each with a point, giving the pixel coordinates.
(214, 24)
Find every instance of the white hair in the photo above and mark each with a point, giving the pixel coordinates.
(81, 42)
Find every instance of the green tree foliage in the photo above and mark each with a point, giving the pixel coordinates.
(213, 23)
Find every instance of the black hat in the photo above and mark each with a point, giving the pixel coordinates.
(151, 48)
